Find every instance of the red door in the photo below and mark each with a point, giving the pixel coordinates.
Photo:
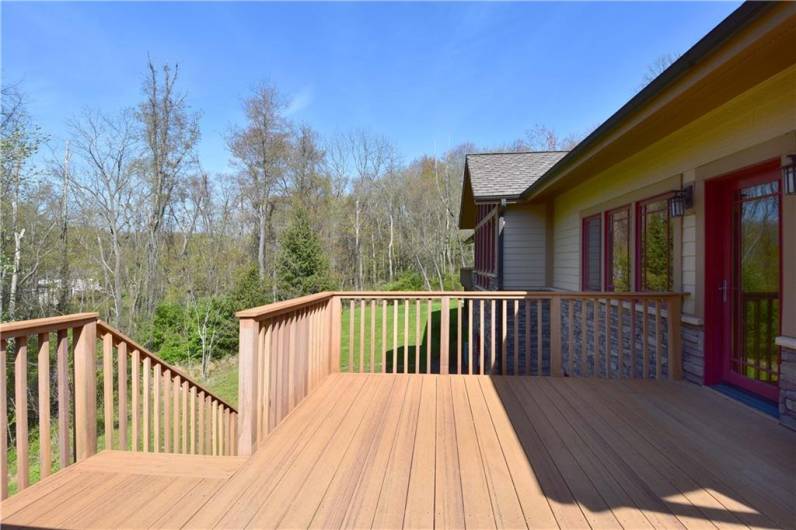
(743, 276)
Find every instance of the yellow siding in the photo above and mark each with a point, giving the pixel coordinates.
(760, 114)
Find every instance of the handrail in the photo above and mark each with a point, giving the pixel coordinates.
(286, 306)
(169, 411)
(118, 335)
(9, 330)
(505, 294)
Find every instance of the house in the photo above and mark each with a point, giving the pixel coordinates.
(558, 403)
(685, 188)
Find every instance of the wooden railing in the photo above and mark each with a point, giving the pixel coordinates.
(512, 333)
(288, 348)
(285, 353)
(144, 403)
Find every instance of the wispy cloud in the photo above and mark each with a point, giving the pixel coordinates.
(300, 101)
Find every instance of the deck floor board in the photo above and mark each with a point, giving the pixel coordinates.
(422, 451)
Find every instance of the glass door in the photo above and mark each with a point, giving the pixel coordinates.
(753, 361)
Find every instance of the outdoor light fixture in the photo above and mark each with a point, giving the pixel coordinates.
(681, 201)
(789, 176)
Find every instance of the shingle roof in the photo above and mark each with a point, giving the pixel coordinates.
(495, 175)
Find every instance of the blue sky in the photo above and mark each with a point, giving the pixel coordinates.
(427, 76)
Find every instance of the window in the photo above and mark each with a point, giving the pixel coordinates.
(617, 249)
(485, 270)
(592, 253)
(654, 229)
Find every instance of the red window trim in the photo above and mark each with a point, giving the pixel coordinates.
(608, 235)
(584, 254)
(639, 240)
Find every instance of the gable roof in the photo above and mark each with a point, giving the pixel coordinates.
(507, 175)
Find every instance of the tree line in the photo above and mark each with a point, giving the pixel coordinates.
(122, 218)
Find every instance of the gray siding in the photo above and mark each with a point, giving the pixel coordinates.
(524, 247)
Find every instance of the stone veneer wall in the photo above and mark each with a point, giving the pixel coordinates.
(787, 388)
(571, 357)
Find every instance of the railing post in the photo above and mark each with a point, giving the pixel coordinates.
(444, 335)
(247, 387)
(555, 336)
(335, 321)
(675, 338)
(85, 338)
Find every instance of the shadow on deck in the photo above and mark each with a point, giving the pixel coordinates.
(390, 451)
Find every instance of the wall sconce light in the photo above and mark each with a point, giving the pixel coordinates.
(681, 201)
(789, 176)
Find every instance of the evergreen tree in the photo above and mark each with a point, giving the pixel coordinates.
(302, 266)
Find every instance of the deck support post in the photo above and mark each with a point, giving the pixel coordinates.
(247, 387)
(85, 340)
(335, 321)
(675, 338)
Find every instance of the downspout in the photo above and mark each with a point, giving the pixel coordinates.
(501, 225)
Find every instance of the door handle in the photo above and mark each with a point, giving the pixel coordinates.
(724, 288)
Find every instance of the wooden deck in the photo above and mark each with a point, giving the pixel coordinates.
(390, 451)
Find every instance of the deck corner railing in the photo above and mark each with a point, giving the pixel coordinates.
(288, 348)
(144, 404)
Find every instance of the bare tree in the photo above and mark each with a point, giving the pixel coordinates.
(170, 132)
(107, 153)
(657, 67)
(260, 150)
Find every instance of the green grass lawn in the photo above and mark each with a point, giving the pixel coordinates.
(384, 351)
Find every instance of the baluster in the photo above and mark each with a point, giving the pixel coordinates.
(121, 366)
(214, 427)
(146, 376)
(175, 419)
(481, 338)
(493, 337)
(570, 337)
(607, 359)
(459, 303)
(658, 356)
(527, 336)
(406, 336)
(361, 354)
(3, 423)
(157, 381)
(633, 338)
(351, 315)
(429, 344)
(418, 336)
(596, 339)
(620, 324)
(384, 336)
(192, 424)
(584, 338)
(167, 411)
(516, 328)
(444, 335)
(45, 460)
(21, 409)
(372, 336)
(136, 378)
(539, 338)
(200, 410)
(504, 341)
(107, 385)
(644, 347)
(395, 336)
(470, 336)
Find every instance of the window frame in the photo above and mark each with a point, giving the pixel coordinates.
(584, 251)
(638, 254)
(608, 283)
